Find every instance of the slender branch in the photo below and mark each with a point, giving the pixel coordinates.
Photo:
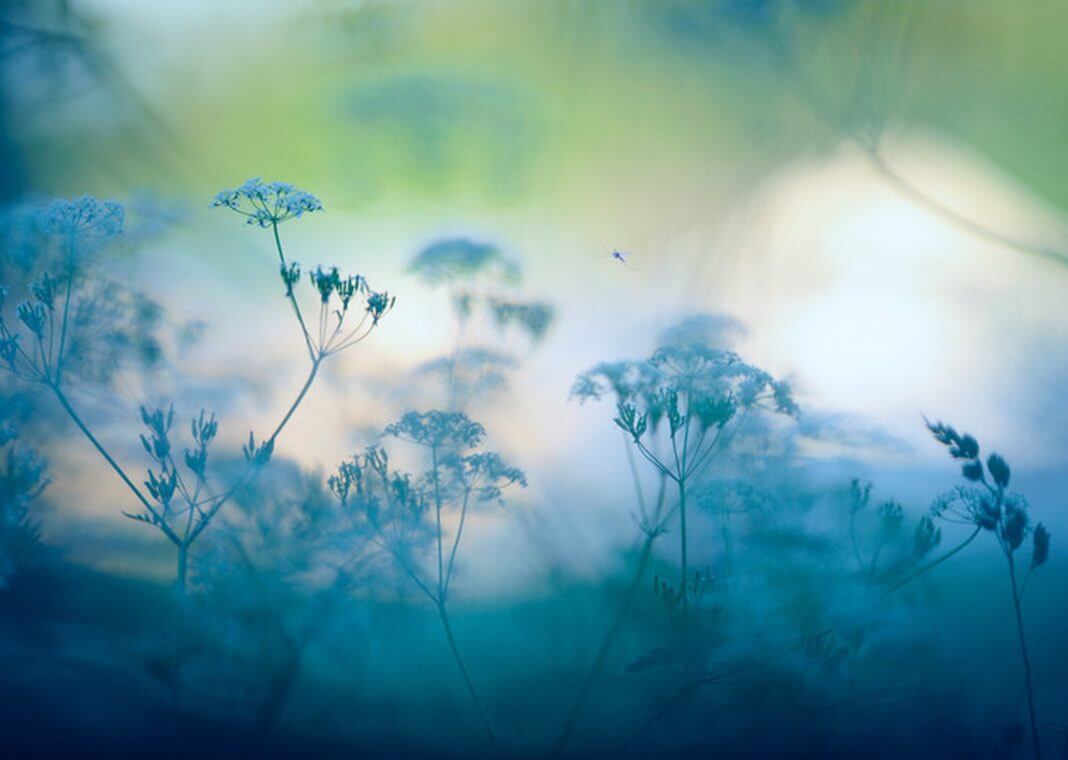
(653, 460)
(682, 538)
(490, 737)
(933, 564)
(711, 677)
(702, 456)
(66, 310)
(967, 224)
(605, 647)
(1024, 656)
(633, 465)
(456, 541)
(819, 106)
(250, 473)
(437, 513)
(292, 298)
(299, 399)
(159, 521)
(404, 565)
(853, 541)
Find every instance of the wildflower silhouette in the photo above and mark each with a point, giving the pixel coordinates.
(989, 506)
(22, 481)
(279, 565)
(888, 519)
(180, 503)
(703, 395)
(405, 511)
(479, 278)
(727, 498)
(690, 398)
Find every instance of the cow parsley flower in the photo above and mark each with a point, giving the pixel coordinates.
(265, 204)
(86, 216)
(452, 259)
(438, 429)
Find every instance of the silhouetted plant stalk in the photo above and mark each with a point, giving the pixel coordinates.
(726, 498)
(888, 519)
(908, 578)
(23, 478)
(709, 677)
(180, 503)
(988, 506)
(703, 395)
(652, 527)
(405, 512)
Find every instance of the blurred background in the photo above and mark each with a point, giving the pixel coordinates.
(724, 145)
(867, 195)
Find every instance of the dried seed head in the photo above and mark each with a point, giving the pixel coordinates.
(34, 315)
(1040, 552)
(44, 290)
(972, 471)
(891, 515)
(999, 470)
(1013, 527)
(926, 537)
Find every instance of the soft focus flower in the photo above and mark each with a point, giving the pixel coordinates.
(85, 216)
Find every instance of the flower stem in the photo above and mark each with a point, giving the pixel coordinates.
(932, 565)
(682, 538)
(444, 615)
(605, 647)
(292, 298)
(66, 312)
(299, 399)
(1025, 657)
(65, 403)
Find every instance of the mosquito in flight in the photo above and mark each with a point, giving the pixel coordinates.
(623, 257)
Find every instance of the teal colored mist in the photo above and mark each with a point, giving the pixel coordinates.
(533, 379)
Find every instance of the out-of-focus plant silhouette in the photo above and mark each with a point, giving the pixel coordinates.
(491, 320)
(22, 480)
(882, 533)
(677, 410)
(988, 505)
(405, 512)
(677, 407)
(284, 561)
(862, 110)
(800, 613)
